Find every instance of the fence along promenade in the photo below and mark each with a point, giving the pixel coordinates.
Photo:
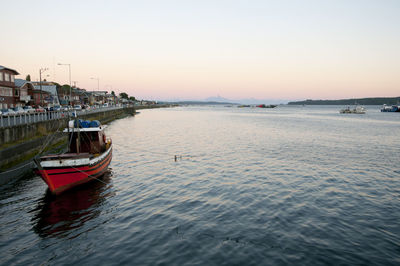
(30, 118)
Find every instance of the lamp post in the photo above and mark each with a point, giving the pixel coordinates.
(40, 84)
(98, 83)
(70, 84)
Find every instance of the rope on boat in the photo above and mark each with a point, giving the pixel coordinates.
(89, 175)
(47, 141)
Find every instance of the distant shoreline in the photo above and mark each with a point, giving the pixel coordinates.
(361, 101)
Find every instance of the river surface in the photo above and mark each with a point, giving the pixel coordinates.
(222, 186)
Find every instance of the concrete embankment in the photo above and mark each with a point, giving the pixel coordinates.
(19, 144)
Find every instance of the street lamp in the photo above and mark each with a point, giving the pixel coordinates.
(40, 84)
(98, 82)
(70, 84)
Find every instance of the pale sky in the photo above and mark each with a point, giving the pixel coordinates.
(311, 49)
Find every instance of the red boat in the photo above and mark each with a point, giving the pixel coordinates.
(266, 106)
(88, 156)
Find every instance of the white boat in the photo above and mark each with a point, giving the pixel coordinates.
(357, 110)
(393, 108)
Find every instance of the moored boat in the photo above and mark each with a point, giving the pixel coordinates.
(357, 110)
(88, 157)
(393, 108)
(266, 106)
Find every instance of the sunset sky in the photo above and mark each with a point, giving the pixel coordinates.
(198, 49)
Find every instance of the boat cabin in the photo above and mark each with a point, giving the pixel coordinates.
(86, 139)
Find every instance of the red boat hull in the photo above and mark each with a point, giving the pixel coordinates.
(60, 179)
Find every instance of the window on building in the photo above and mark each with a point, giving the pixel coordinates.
(1, 76)
(6, 77)
(16, 92)
(5, 91)
(12, 78)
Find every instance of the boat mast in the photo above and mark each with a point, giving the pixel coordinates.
(78, 141)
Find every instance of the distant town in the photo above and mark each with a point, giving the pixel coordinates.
(43, 94)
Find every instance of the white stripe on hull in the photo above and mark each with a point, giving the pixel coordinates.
(74, 162)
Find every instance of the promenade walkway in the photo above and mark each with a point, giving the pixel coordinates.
(22, 119)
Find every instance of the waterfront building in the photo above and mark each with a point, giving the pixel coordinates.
(7, 87)
(81, 96)
(67, 96)
(99, 97)
(143, 102)
(25, 90)
(41, 98)
(111, 99)
(48, 95)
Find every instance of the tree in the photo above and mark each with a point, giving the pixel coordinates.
(123, 95)
(112, 93)
(28, 77)
(65, 88)
(132, 98)
(58, 86)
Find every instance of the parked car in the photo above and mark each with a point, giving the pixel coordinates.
(19, 110)
(40, 109)
(77, 107)
(57, 108)
(105, 104)
(7, 112)
(29, 109)
(66, 108)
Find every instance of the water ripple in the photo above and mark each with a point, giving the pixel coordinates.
(248, 187)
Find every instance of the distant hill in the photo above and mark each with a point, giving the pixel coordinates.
(198, 103)
(221, 100)
(246, 101)
(218, 99)
(362, 101)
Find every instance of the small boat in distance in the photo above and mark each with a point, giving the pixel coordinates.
(266, 106)
(357, 110)
(88, 157)
(393, 108)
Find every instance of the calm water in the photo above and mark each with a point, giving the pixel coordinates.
(291, 185)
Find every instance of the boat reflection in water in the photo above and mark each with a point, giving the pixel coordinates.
(63, 215)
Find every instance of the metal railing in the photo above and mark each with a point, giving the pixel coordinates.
(30, 118)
